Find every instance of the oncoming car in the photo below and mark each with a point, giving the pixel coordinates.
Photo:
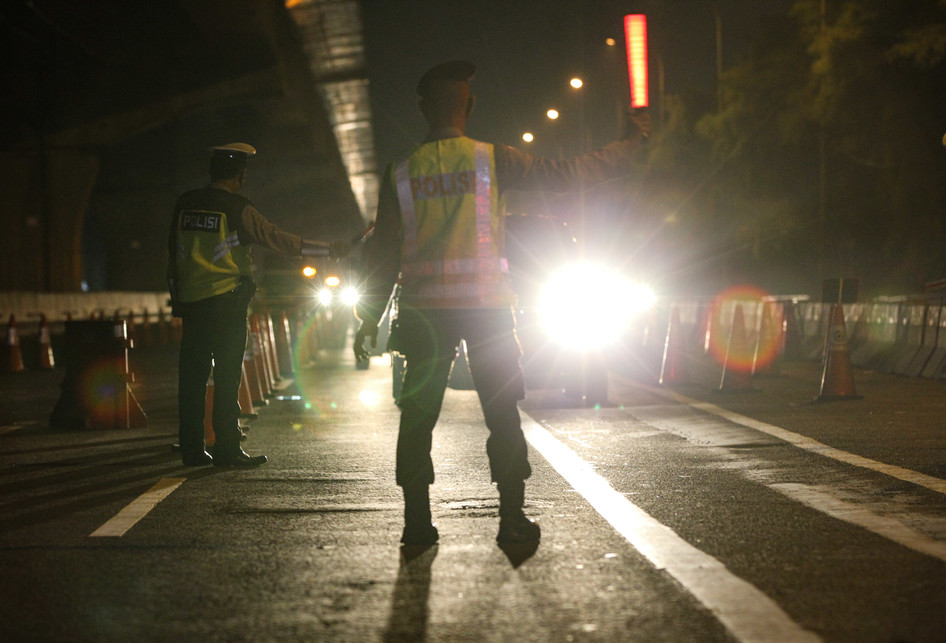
(571, 311)
(335, 297)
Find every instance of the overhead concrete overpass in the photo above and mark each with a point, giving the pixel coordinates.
(109, 108)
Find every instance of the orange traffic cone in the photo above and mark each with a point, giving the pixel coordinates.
(46, 361)
(210, 438)
(246, 401)
(837, 380)
(269, 348)
(13, 357)
(252, 376)
(284, 346)
(673, 369)
(259, 355)
(735, 375)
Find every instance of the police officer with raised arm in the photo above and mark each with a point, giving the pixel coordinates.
(211, 284)
(440, 234)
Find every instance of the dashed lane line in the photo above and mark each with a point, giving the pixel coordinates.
(803, 442)
(138, 509)
(743, 609)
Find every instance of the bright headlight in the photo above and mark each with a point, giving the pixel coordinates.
(587, 306)
(350, 296)
(325, 296)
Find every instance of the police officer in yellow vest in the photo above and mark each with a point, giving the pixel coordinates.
(440, 234)
(211, 284)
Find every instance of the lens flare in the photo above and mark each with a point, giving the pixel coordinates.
(101, 383)
(757, 347)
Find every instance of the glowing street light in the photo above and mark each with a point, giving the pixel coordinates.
(528, 137)
(576, 83)
(552, 114)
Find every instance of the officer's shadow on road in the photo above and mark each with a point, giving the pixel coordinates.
(409, 604)
(518, 553)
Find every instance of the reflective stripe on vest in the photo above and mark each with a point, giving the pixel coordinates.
(486, 267)
(231, 241)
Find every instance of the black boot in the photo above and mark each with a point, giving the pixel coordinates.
(514, 526)
(418, 528)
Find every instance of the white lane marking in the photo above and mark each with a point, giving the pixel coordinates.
(695, 423)
(138, 509)
(745, 611)
(890, 528)
(803, 442)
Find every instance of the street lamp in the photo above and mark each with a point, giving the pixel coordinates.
(552, 114)
(528, 137)
(576, 83)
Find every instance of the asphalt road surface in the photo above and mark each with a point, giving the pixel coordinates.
(667, 514)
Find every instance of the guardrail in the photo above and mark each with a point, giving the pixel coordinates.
(902, 335)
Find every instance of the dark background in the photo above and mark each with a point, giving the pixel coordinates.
(824, 158)
(817, 153)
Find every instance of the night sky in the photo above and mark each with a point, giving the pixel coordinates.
(527, 50)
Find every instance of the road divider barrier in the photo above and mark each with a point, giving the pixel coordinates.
(735, 376)
(673, 368)
(792, 341)
(769, 341)
(935, 367)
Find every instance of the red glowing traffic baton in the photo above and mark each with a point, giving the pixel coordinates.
(635, 32)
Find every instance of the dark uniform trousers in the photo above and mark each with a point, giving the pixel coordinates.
(213, 336)
(428, 339)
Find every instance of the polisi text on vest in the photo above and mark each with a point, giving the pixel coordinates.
(443, 185)
(196, 221)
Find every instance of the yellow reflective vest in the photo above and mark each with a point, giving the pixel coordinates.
(452, 253)
(206, 254)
